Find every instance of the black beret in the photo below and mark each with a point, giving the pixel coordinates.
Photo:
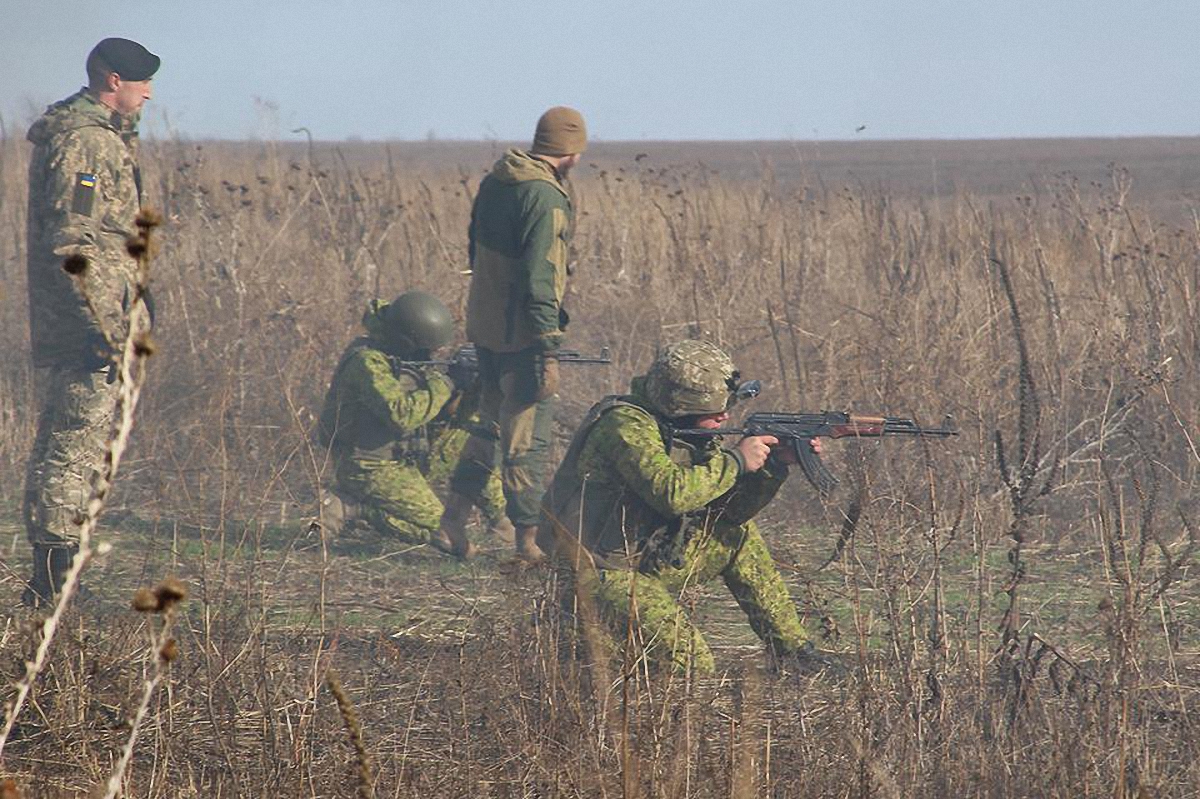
(126, 58)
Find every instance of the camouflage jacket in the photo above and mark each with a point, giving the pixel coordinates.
(376, 408)
(629, 490)
(520, 225)
(84, 195)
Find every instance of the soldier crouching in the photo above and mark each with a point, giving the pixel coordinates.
(645, 513)
(394, 425)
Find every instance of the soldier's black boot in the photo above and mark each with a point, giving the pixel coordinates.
(50, 566)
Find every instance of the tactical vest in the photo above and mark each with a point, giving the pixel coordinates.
(616, 528)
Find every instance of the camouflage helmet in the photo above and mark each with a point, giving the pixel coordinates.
(416, 321)
(690, 377)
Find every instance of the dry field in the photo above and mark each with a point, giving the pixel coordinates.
(1019, 601)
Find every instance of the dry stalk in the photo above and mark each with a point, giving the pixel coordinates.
(135, 349)
(1020, 479)
(159, 655)
(366, 782)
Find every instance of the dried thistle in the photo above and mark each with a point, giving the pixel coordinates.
(148, 218)
(144, 601)
(163, 597)
(144, 346)
(75, 264)
(159, 654)
(137, 246)
(169, 592)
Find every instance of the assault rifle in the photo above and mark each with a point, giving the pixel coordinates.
(464, 364)
(798, 429)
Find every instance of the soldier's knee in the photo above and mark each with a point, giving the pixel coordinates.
(470, 478)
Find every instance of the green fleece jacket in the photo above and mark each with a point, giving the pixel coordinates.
(520, 225)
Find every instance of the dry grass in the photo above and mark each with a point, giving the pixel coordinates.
(1019, 631)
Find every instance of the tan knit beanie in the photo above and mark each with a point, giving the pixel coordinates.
(560, 131)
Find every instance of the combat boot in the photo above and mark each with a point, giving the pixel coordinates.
(502, 529)
(50, 566)
(337, 512)
(451, 536)
(527, 548)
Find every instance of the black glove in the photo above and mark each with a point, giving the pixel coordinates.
(463, 372)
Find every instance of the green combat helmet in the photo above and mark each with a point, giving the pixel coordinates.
(690, 377)
(416, 322)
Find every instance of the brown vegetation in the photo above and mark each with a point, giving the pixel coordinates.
(1017, 600)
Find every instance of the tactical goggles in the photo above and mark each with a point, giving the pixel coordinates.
(741, 389)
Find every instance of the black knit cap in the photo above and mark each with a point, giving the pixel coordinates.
(126, 58)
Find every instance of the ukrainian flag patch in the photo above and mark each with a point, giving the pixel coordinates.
(85, 193)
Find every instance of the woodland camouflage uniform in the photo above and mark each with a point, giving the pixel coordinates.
(656, 514)
(394, 430)
(84, 197)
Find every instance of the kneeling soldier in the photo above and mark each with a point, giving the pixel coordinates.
(656, 513)
(390, 423)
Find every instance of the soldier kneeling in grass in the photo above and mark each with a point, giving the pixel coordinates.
(642, 513)
(395, 425)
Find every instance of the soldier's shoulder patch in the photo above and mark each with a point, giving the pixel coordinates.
(85, 193)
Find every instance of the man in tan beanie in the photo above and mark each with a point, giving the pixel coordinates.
(520, 226)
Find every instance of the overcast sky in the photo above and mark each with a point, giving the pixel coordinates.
(653, 69)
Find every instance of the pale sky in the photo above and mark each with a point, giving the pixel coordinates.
(653, 69)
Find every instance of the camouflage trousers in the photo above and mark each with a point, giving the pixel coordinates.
(68, 451)
(394, 495)
(398, 498)
(739, 556)
(514, 429)
(444, 457)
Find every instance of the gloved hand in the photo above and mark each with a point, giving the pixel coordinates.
(546, 373)
(462, 372)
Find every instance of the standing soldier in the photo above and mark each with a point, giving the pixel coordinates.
(393, 425)
(520, 226)
(657, 512)
(84, 197)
